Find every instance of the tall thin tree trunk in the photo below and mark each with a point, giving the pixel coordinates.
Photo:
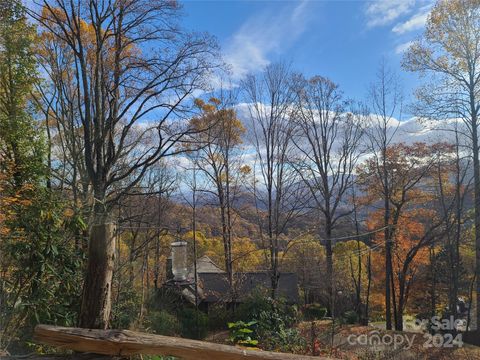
(144, 278)
(476, 177)
(329, 256)
(369, 282)
(433, 292)
(470, 301)
(393, 299)
(156, 271)
(194, 230)
(358, 287)
(49, 151)
(228, 203)
(388, 255)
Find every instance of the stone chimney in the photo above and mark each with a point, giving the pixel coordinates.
(169, 272)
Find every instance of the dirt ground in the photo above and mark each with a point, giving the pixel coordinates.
(361, 342)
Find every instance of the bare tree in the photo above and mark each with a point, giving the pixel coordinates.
(328, 142)
(118, 81)
(452, 186)
(59, 103)
(217, 157)
(449, 51)
(386, 99)
(361, 306)
(142, 227)
(277, 193)
(411, 202)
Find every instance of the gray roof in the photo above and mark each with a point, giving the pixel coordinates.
(206, 265)
(215, 286)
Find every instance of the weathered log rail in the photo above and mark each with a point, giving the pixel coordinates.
(82, 356)
(126, 343)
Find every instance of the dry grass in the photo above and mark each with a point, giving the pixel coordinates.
(342, 349)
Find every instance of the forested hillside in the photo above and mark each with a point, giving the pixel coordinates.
(124, 135)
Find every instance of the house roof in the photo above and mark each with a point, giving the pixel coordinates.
(206, 265)
(215, 285)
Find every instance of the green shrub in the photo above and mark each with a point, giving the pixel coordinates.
(242, 333)
(193, 323)
(288, 340)
(274, 319)
(350, 317)
(164, 323)
(218, 317)
(167, 299)
(259, 303)
(125, 310)
(40, 254)
(275, 329)
(314, 312)
(256, 303)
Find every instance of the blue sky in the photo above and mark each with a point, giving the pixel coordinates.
(343, 40)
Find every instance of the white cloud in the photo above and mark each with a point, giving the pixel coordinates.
(399, 49)
(407, 131)
(263, 34)
(417, 21)
(384, 12)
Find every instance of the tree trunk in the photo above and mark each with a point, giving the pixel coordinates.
(470, 301)
(359, 287)
(388, 241)
(476, 172)
(369, 283)
(433, 291)
(96, 302)
(398, 308)
(329, 255)
(393, 299)
(156, 272)
(226, 246)
(388, 271)
(399, 322)
(274, 278)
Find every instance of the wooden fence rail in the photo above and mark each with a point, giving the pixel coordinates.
(125, 343)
